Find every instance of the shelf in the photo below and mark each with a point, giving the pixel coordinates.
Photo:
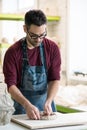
(11, 17)
(20, 17)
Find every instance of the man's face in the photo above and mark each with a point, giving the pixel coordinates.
(36, 34)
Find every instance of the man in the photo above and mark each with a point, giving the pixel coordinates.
(32, 68)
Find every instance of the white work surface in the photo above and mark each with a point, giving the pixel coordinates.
(71, 121)
(13, 126)
(60, 120)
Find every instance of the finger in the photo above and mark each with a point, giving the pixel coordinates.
(48, 110)
(35, 114)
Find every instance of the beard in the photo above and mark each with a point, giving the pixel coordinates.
(32, 42)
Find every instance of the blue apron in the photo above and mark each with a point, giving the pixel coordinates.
(33, 82)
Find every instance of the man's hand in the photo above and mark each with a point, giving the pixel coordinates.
(32, 112)
(48, 108)
(52, 91)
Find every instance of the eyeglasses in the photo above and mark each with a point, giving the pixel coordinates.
(35, 36)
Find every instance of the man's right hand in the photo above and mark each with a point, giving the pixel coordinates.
(32, 111)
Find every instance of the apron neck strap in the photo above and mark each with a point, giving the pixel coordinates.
(42, 54)
(24, 51)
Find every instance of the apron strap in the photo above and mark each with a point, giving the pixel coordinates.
(24, 59)
(43, 57)
(24, 50)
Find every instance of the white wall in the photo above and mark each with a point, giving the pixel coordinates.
(77, 36)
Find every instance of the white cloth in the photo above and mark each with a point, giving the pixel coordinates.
(72, 96)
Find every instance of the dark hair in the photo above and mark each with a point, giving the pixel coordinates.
(36, 17)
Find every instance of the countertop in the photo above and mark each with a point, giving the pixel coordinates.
(14, 126)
